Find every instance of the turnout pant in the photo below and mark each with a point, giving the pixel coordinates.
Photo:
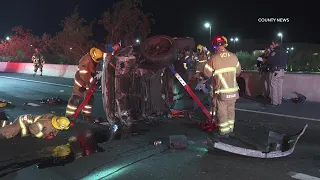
(36, 67)
(225, 112)
(74, 102)
(275, 82)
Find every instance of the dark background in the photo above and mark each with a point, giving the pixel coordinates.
(177, 17)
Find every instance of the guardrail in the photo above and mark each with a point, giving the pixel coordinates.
(250, 82)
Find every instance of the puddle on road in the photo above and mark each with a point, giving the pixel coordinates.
(84, 144)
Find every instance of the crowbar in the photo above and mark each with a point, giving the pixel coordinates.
(191, 93)
(85, 100)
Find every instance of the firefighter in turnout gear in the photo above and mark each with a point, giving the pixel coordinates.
(38, 61)
(203, 56)
(224, 67)
(39, 126)
(84, 78)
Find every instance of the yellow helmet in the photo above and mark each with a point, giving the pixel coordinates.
(62, 150)
(96, 54)
(200, 47)
(226, 40)
(60, 122)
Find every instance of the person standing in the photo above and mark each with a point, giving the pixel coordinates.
(38, 61)
(277, 62)
(84, 79)
(224, 68)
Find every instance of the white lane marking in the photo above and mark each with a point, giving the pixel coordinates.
(301, 176)
(61, 90)
(275, 114)
(41, 82)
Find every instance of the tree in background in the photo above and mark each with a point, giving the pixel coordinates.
(22, 43)
(247, 60)
(304, 61)
(73, 41)
(126, 21)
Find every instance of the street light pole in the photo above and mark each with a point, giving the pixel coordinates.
(280, 35)
(208, 25)
(210, 33)
(234, 40)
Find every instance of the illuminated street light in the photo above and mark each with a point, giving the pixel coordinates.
(281, 36)
(137, 41)
(292, 48)
(208, 25)
(70, 48)
(7, 38)
(234, 40)
(288, 48)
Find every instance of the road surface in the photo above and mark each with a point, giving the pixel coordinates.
(138, 158)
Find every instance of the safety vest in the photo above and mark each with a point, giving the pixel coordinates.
(28, 119)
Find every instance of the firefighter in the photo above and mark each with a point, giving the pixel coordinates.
(223, 67)
(40, 126)
(84, 78)
(202, 58)
(38, 61)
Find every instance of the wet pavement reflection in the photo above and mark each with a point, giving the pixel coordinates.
(85, 143)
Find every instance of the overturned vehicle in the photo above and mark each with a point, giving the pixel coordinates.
(137, 83)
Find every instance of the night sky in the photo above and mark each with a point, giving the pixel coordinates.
(177, 18)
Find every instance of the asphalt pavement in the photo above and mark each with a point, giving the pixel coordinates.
(137, 157)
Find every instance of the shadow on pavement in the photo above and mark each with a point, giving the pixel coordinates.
(61, 152)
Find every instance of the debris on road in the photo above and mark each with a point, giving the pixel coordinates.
(178, 142)
(157, 143)
(32, 104)
(296, 98)
(57, 100)
(278, 145)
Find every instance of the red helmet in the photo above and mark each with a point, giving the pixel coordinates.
(219, 41)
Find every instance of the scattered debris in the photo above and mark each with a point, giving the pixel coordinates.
(156, 143)
(296, 98)
(32, 104)
(178, 141)
(179, 113)
(52, 101)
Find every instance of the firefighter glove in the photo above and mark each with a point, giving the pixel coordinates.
(82, 89)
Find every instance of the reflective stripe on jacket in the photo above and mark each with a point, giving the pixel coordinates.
(224, 67)
(86, 72)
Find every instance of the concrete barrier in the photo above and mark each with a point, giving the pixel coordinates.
(306, 84)
(56, 70)
(250, 82)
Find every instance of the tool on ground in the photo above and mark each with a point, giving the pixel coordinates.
(209, 124)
